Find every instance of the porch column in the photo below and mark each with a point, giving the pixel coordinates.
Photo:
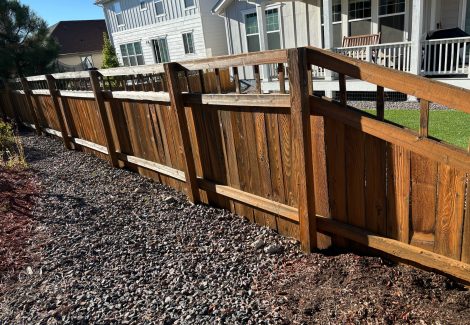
(416, 32)
(263, 39)
(328, 33)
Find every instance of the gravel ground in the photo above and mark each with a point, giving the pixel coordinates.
(117, 248)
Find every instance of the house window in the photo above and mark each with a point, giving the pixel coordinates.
(87, 62)
(388, 7)
(359, 9)
(359, 17)
(252, 32)
(188, 3)
(392, 20)
(143, 5)
(188, 42)
(272, 29)
(132, 54)
(118, 12)
(336, 6)
(159, 9)
(160, 48)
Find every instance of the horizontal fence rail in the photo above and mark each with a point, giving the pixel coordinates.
(309, 167)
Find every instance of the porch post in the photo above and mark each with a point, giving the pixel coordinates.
(328, 36)
(263, 40)
(328, 24)
(416, 32)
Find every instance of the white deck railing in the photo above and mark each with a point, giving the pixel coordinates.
(389, 55)
(446, 56)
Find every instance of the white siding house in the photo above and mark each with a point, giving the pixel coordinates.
(403, 24)
(156, 31)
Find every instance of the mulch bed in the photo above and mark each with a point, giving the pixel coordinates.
(18, 191)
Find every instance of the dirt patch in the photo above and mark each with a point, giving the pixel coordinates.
(18, 191)
(352, 289)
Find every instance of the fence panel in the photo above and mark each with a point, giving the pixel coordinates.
(374, 183)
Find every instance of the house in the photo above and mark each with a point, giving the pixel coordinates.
(81, 44)
(157, 31)
(404, 26)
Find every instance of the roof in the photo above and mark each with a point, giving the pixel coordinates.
(79, 36)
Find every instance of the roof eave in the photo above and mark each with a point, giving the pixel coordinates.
(220, 6)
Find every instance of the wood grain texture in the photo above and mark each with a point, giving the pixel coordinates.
(450, 212)
(466, 230)
(105, 124)
(182, 127)
(398, 193)
(302, 147)
(423, 201)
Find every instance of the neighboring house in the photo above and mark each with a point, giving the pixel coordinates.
(157, 31)
(81, 44)
(254, 25)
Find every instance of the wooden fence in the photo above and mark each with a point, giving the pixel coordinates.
(310, 167)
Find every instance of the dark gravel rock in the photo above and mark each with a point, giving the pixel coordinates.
(122, 249)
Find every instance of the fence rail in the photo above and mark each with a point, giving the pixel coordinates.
(310, 167)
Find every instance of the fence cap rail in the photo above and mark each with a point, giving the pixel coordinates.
(407, 83)
(216, 62)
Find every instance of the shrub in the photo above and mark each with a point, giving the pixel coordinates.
(11, 148)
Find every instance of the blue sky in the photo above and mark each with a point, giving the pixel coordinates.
(56, 10)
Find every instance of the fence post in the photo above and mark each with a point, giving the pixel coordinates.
(29, 101)
(59, 114)
(302, 146)
(95, 85)
(177, 104)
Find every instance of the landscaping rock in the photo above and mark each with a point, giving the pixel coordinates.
(118, 248)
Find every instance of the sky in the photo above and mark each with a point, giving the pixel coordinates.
(54, 11)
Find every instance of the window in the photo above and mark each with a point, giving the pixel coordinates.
(272, 29)
(359, 17)
(188, 3)
(143, 5)
(188, 43)
(118, 12)
(388, 7)
(336, 11)
(159, 9)
(160, 47)
(252, 32)
(132, 54)
(359, 9)
(392, 20)
(87, 62)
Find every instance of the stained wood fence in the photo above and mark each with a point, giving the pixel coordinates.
(310, 167)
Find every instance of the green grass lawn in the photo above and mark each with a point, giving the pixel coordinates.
(450, 126)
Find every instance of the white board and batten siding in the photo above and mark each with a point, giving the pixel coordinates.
(145, 25)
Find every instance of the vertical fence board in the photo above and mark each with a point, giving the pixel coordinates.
(335, 158)
(450, 211)
(423, 201)
(322, 205)
(466, 230)
(375, 185)
(398, 193)
(355, 166)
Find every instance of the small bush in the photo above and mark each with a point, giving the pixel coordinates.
(11, 148)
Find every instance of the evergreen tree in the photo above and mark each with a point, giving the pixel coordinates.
(110, 59)
(25, 45)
